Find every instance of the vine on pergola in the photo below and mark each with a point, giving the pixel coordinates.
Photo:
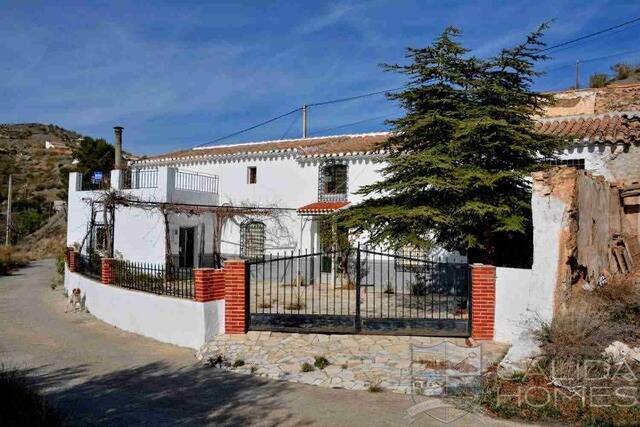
(110, 200)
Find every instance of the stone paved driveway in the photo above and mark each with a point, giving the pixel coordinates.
(99, 375)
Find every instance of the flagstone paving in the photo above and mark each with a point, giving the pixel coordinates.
(357, 362)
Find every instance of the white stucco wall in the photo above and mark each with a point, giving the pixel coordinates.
(172, 320)
(139, 235)
(525, 297)
(513, 288)
(548, 215)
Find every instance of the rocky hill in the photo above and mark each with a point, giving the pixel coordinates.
(36, 170)
(37, 156)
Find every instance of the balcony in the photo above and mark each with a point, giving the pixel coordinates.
(163, 184)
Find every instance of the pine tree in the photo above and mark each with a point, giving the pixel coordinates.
(458, 161)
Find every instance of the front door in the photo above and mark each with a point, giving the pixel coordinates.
(187, 242)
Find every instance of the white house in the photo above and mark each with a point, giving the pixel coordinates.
(266, 197)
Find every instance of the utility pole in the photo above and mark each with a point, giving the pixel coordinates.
(304, 121)
(577, 74)
(7, 240)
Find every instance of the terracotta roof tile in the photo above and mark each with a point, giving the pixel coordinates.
(322, 207)
(601, 128)
(591, 128)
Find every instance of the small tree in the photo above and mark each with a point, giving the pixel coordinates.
(622, 70)
(92, 155)
(598, 80)
(459, 159)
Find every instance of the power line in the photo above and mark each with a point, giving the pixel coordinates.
(593, 59)
(250, 128)
(293, 122)
(351, 98)
(624, 24)
(352, 123)
(333, 101)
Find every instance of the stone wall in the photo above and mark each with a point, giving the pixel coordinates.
(595, 101)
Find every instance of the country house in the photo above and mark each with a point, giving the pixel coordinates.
(158, 222)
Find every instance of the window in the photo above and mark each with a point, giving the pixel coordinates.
(252, 175)
(574, 163)
(252, 240)
(100, 236)
(333, 182)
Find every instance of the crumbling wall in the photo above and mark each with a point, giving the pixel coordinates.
(554, 224)
(623, 164)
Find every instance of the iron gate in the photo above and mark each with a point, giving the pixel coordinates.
(359, 291)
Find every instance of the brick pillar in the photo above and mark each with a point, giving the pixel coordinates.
(107, 270)
(235, 298)
(209, 284)
(483, 301)
(73, 260)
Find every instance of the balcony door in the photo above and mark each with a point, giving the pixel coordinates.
(186, 247)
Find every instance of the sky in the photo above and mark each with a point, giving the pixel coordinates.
(185, 73)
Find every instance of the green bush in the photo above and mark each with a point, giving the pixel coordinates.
(307, 367)
(238, 363)
(321, 362)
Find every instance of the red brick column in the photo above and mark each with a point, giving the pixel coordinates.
(107, 270)
(483, 301)
(73, 260)
(209, 284)
(235, 298)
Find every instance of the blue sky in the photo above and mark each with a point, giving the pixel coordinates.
(178, 74)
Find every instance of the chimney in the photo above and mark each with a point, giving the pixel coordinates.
(119, 162)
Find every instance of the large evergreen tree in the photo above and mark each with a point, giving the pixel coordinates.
(459, 159)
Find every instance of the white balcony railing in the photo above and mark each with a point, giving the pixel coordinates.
(139, 178)
(195, 181)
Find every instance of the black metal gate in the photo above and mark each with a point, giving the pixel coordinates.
(359, 291)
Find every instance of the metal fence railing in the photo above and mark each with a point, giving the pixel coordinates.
(90, 265)
(139, 178)
(154, 278)
(359, 290)
(194, 181)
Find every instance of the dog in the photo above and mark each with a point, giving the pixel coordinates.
(75, 300)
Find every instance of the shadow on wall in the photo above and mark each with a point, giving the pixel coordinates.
(160, 394)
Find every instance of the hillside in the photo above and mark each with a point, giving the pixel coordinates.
(38, 176)
(35, 170)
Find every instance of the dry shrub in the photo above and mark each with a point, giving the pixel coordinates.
(571, 343)
(582, 332)
(297, 304)
(620, 299)
(10, 259)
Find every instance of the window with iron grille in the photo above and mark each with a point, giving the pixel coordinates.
(99, 238)
(574, 163)
(252, 236)
(333, 182)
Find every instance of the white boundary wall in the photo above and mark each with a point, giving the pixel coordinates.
(171, 320)
(525, 297)
(513, 288)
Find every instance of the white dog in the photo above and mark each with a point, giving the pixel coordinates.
(75, 300)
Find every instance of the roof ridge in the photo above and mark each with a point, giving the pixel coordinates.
(312, 138)
(547, 119)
